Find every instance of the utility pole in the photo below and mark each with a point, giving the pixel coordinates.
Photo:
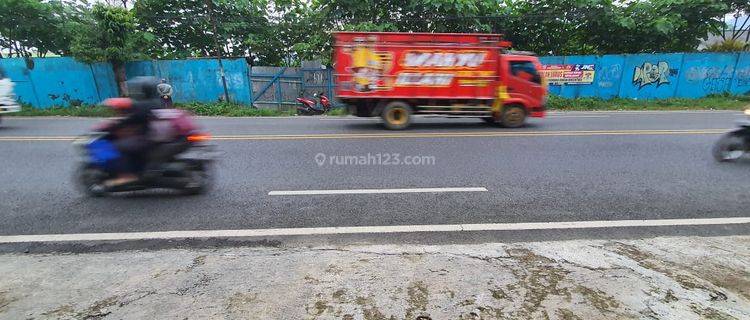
(210, 4)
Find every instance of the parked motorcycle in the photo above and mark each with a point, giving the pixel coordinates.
(309, 107)
(182, 164)
(734, 144)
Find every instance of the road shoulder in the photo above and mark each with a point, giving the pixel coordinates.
(665, 278)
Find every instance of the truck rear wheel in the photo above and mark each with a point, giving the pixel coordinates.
(396, 115)
(513, 116)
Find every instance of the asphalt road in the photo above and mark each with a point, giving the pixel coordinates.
(573, 166)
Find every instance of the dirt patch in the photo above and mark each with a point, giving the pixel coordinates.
(369, 310)
(98, 309)
(538, 278)
(649, 261)
(5, 300)
(197, 262)
(711, 313)
(238, 303)
(318, 308)
(310, 280)
(339, 295)
(669, 297)
(468, 302)
(499, 294)
(334, 269)
(417, 295)
(600, 300)
(62, 311)
(565, 314)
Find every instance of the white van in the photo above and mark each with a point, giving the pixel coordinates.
(8, 101)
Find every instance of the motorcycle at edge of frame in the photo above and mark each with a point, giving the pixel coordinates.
(735, 144)
(308, 107)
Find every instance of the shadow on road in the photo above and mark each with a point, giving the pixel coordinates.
(416, 126)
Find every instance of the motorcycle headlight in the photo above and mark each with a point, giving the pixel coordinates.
(747, 112)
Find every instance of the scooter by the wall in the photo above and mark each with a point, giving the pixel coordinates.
(310, 107)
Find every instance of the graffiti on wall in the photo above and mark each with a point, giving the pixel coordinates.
(742, 76)
(609, 76)
(653, 73)
(712, 79)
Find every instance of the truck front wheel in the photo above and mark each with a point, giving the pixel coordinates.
(513, 116)
(396, 115)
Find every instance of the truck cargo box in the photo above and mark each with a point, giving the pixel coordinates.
(416, 65)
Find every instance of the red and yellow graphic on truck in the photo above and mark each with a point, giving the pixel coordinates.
(394, 75)
(368, 66)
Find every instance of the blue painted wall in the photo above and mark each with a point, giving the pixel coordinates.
(608, 76)
(659, 76)
(199, 79)
(741, 77)
(706, 73)
(650, 76)
(58, 81)
(64, 81)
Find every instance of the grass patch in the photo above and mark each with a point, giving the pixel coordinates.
(717, 102)
(225, 109)
(201, 109)
(72, 111)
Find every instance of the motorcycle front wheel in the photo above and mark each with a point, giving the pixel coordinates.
(90, 180)
(730, 147)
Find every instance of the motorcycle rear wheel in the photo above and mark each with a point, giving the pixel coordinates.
(200, 180)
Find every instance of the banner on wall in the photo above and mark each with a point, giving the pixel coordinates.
(557, 74)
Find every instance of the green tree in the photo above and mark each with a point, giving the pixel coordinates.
(31, 25)
(661, 26)
(110, 36)
(182, 28)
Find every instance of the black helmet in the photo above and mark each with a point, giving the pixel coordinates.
(143, 88)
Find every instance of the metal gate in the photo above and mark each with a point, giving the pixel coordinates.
(278, 87)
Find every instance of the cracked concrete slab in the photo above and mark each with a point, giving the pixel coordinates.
(661, 278)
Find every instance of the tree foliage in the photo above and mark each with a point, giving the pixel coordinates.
(284, 32)
(45, 27)
(110, 35)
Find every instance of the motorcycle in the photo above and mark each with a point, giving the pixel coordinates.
(734, 144)
(182, 164)
(309, 107)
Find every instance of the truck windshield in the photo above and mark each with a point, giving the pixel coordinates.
(525, 70)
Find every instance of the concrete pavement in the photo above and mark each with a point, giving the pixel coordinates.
(664, 278)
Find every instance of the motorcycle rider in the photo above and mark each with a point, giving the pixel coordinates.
(131, 132)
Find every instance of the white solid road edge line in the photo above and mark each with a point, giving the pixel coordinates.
(373, 191)
(248, 233)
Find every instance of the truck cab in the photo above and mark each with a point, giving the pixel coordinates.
(525, 86)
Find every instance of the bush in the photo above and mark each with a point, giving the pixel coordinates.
(729, 45)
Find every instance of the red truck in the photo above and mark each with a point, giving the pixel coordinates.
(396, 75)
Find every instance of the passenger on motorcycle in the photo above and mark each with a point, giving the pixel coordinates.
(145, 133)
(130, 133)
